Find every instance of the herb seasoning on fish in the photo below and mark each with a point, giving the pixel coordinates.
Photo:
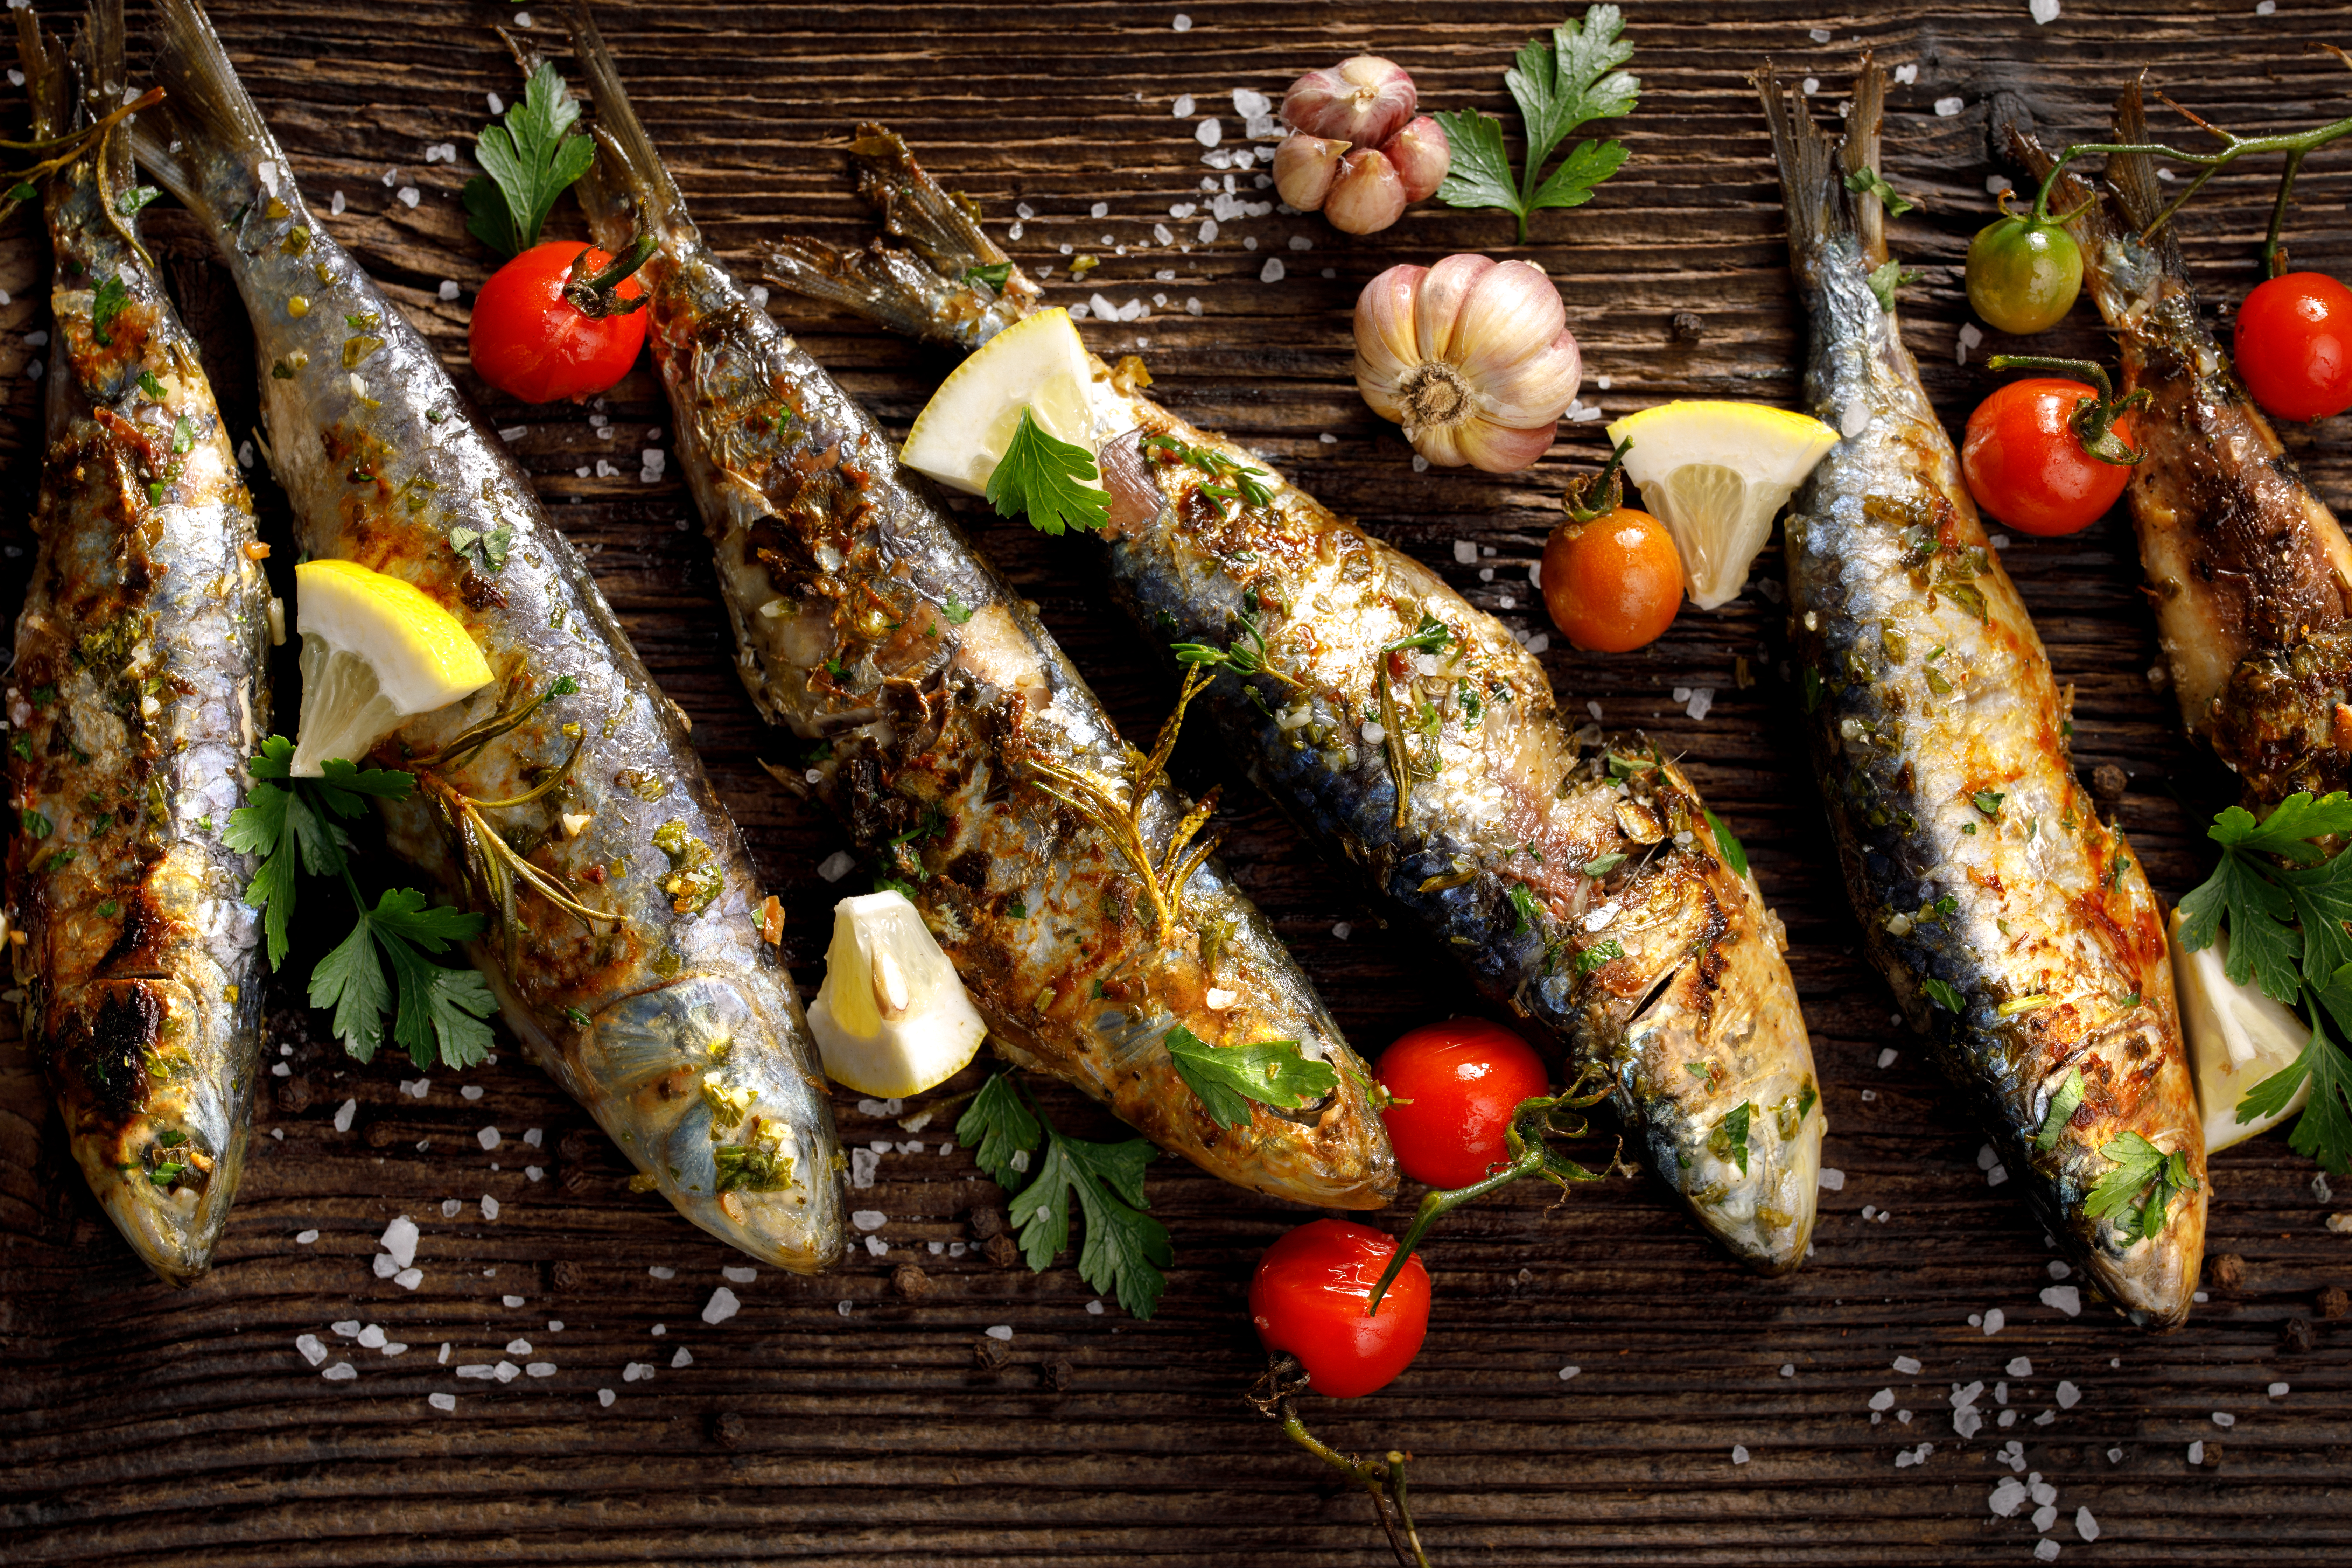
(2019, 934)
(1065, 878)
(140, 684)
(1578, 878)
(624, 945)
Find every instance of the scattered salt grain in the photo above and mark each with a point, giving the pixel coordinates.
(336, 203)
(1907, 1365)
(518, 1347)
(2265, 7)
(723, 1305)
(2046, 1550)
(1788, 1369)
(876, 1248)
(2197, 1452)
(1994, 1320)
(2224, 1419)
(835, 865)
(2043, 12)
(2059, 1268)
(445, 1403)
(1819, 35)
(409, 1279)
(1832, 1179)
(740, 1276)
(514, 432)
(1420, 464)
(313, 1351)
(1567, 1373)
(1208, 133)
(1883, 1400)
(1183, 110)
(1813, 84)
(487, 1137)
(659, 1329)
(2065, 1298)
(2068, 1396)
(449, 289)
(533, 1173)
(342, 1371)
(684, 1357)
(635, 1371)
(408, 195)
(305, 1238)
(2006, 1498)
(1738, 1453)
(2278, 1390)
(1183, 22)
(554, 1325)
(344, 1113)
(1000, 1332)
(604, 1396)
(2115, 1456)
(471, 1092)
(535, 1137)
(2020, 1367)
(2085, 1525)
(1542, 640)
(372, 1337)
(1907, 75)
(1947, 107)
(1273, 271)
(511, 1300)
(1917, 1455)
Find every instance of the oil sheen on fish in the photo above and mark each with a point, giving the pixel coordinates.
(956, 741)
(671, 1020)
(1582, 885)
(140, 686)
(2019, 934)
(2250, 575)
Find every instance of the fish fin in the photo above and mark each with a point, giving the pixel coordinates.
(1862, 125)
(629, 153)
(48, 78)
(894, 288)
(1811, 184)
(944, 230)
(2096, 220)
(2133, 175)
(206, 116)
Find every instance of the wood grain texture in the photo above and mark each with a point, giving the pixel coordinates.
(838, 1421)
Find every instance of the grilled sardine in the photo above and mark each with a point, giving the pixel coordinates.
(2019, 934)
(2249, 572)
(140, 686)
(664, 1014)
(1584, 888)
(957, 743)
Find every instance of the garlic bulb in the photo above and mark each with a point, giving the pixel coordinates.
(1472, 356)
(1362, 101)
(1366, 194)
(891, 1018)
(1421, 156)
(1304, 168)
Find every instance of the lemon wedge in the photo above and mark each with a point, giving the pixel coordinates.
(1038, 363)
(891, 1018)
(376, 652)
(1716, 474)
(2237, 1036)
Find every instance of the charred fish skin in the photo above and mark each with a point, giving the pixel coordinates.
(140, 686)
(2248, 570)
(2018, 933)
(1582, 885)
(961, 747)
(671, 1020)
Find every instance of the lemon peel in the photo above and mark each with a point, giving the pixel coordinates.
(376, 652)
(1716, 474)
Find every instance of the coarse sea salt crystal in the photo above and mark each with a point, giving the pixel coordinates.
(343, 1114)
(2223, 1418)
(1273, 271)
(342, 1371)
(2197, 1452)
(408, 195)
(1701, 700)
(1994, 1320)
(1907, 1365)
(684, 1357)
(2006, 1498)
(2065, 1298)
(2278, 1390)
(1948, 107)
(1183, 22)
(1181, 109)
(1832, 1179)
(835, 865)
(1739, 1453)
(2043, 12)
(2045, 1551)
(723, 1305)
(2069, 1396)
(445, 1403)
(305, 1238)
(511, 1300)
(2085, 1525)
(487, 1137)
(2020, 1367)
(409, 1279)
(1208, 133)
(372, 1336)
(740, 1276)
(604, 1396)
(313, 1351)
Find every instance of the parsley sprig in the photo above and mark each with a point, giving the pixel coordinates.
(2141, 1188)
(292, 824)
(1055, 482)
(1124, 1251)
(1560, 83)
(1227, 1077)
(2287, 898)
(528, 160)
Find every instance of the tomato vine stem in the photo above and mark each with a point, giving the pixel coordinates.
(1276, 1394)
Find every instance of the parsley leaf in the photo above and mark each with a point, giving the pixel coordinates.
(1885, 280)
(2323, 1131)
(105, 304)
(1867, 180)
(2288, 830)
(995, 276)
(1942, 994)
(1052, 481)
(1559, 82)
(2141, 1188)
(1734, 1128)
(486, 550)
(528, 161)
(1735, 854)
(955, 612)
(1599, 955)
(1124, 1251)
(1430, 637)
(1227, 1077)
(132, 200)
(2063, 1104)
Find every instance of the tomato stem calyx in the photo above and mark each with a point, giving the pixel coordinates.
(1537, 1120)
(1275, 1395)
(594, 296)
(2093, 419)
(1589, 499)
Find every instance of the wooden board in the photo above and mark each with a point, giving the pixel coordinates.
(840, 1421)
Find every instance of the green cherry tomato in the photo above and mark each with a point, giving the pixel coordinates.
(2023, 275)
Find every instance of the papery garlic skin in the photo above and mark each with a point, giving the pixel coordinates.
(1362, 101)
(1366, 194)
(1472, 356)
(891, 1019)
(1304, 168)
(1422, 155)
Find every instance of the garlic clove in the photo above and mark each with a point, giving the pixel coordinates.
(1366, 194)
(1363, 99)
(1386, 349)
(1422, 155)
(891, 1018)
(1497, 448)
(1508, 338)
(1304, 169)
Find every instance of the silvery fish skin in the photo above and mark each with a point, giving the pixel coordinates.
(1582, 885)
(866, 622)
(140, 686)
(2249, 573)
(1975, 860)
(677, 1026)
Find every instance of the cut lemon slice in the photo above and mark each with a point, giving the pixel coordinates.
(2237, 1036)
(1038, 363)
(1716, 474)
(891, 1018)
(376, 652)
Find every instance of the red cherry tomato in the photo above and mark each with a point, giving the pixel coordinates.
(530, 343)
(1465, 1077)
(2295, 346)
(2026, 466)
(1308, 1294)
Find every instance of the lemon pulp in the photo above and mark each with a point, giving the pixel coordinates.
(2237, 1036)
(1038, 363)
(376, 652)
(1716, 474)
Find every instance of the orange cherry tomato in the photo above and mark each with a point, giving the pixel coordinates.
(1614, 584)
(2026, 466)
(530, 341)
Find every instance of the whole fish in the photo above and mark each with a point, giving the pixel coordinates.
(625, 948)
(1578, 878)
(140, 686)
(2250, 575)
(1060, 872)
(2019, 934)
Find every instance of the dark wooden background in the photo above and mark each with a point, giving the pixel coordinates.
(843, 1421)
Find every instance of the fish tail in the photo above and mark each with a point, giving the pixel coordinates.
(1813, 164)
(2133, 175)
(206, 139)
(629, 156)
(48, 76)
